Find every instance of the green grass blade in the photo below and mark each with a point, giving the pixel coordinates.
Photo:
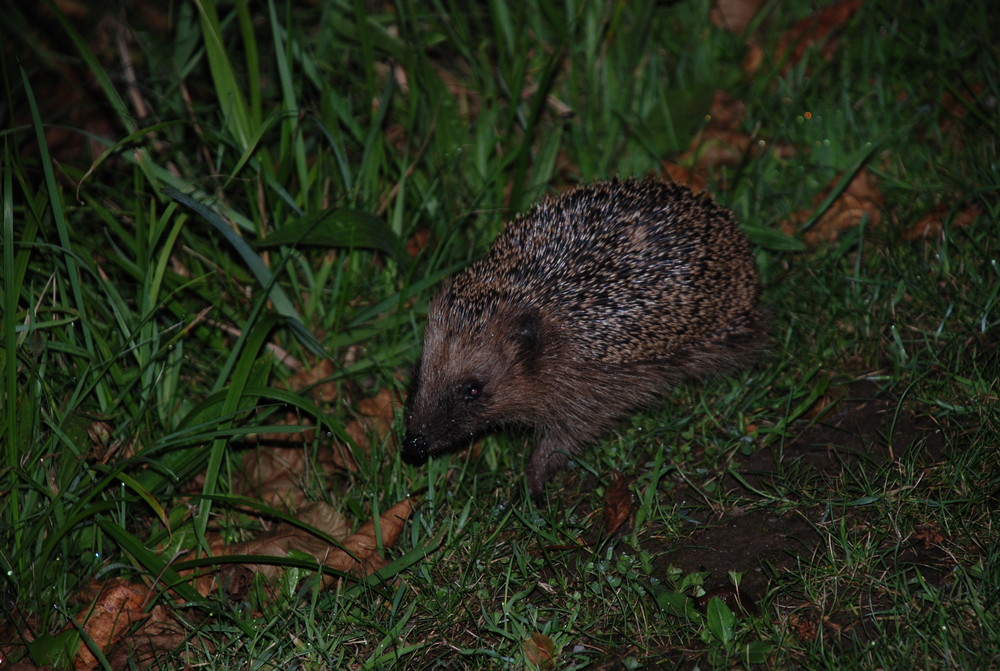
(242, 362)
(62, 229)
(228, 91)
(156, 567)
(292, 141)
(345, 228)
(256, 265)
(11, 294)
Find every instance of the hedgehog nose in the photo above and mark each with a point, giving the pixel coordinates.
(415, 449)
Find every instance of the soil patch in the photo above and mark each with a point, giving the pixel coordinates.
(862, 430)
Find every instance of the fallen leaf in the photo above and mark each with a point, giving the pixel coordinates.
(143, 650)
(720, 143)
(932, 224)
(356, 555)
(687, 175)
(360, 554)
(726, 110)
(118, 606)
(753, 59)
(930, 534)
(377, 416)
(539, 650)
(818, 29)
(861, 198)
(733, 15)
(617, 506)
(317, 379)
(804, 626)
(417, 242)
(282, 540)
(382, 406)
(274, 476)
(955, 107)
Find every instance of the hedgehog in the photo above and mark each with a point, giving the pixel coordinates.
(584, 309)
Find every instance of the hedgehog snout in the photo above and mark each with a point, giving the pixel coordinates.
(415, 449)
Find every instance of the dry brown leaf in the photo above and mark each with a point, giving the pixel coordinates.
(734, 15)
(118, 606)
(540, 650)
(720, 143)
(862, 198)
(930, 534)
(377, 416)
(713, 147)
(341, 457)
(364, 546)
(816, 29)
(279, 476)
(100, 434)
(324, 517)
(804, 626)
(279, 541)
(317, 382)
(322, 388)
(718, 147)
(144, 651)
(955, 107)
(932, 223)
(235, 579)
(382, 406)
(302, 436)
(617, 506)
(753, 59)
(358, 432)
(359, 556)
(273, 475)
(417, 242)
(726, 110)
(157, 637)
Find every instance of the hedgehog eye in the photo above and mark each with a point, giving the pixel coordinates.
(473, 391)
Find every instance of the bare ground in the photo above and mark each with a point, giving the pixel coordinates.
(865, 429)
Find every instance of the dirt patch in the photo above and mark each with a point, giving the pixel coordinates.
(862, 432)
(861, 428)
(756, 544)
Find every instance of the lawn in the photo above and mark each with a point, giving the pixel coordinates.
(222, 224)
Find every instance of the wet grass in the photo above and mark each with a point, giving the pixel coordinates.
(249, 179)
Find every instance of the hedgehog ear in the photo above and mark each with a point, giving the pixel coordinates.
(526, 333)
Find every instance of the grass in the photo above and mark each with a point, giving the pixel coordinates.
(198, 203)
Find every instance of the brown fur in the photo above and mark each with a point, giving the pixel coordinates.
(583, 309)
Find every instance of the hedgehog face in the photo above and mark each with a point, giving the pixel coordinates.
(469, 380)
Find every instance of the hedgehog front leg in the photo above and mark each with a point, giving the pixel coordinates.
(553, 450)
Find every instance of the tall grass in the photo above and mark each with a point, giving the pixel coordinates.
(198, 200)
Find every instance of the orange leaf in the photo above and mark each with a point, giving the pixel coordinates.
(322, 388)
(862, 198)
(817, 29)
(417, 242)
(539, 650)
(363, 545)
(117, 607)
(932, 223)
(617, 506)
(382, 405)
(734, 15)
